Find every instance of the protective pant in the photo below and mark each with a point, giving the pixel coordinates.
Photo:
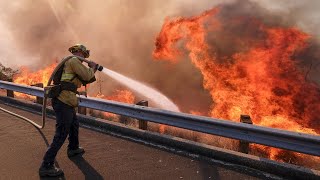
(66, 124)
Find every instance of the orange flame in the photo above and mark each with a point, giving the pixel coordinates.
(27, 77)
(124, 96)
(261, 78)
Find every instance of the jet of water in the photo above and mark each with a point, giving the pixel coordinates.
(158, 98)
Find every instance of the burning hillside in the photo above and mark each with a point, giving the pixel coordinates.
(248, 65)
(27, 77)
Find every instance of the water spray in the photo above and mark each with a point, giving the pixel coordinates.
(140, 88)
(157, 97)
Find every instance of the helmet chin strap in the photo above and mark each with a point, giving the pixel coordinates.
(79, 54)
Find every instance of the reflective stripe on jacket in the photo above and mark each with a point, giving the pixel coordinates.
(67, 76)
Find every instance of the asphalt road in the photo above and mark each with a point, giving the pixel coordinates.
(22, 147)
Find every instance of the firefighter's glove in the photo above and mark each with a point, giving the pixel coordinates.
(93, 65)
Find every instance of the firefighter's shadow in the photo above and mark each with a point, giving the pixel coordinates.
(53, 178)
(88, 171)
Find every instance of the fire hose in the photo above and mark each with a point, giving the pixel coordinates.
(46, 89)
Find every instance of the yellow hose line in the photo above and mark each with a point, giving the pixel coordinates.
(21, 117)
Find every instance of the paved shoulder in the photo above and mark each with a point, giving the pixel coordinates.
(22, 147)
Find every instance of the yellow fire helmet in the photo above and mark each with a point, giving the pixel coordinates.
(81, 48)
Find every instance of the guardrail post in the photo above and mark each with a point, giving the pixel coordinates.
(143, 124)
(39, 100)
(82, 110)
(244, 145)
(9, 92)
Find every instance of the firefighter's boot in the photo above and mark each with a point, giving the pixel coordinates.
(74, 152)
(50, 170)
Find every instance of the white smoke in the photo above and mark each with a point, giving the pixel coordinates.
(84, 21)
(305, 13)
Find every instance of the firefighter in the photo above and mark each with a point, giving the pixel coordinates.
(74, 75)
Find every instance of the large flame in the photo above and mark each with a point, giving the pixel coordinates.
(28, 77)
(259, 76)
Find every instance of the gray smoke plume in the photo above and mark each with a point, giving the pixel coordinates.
(121, 36)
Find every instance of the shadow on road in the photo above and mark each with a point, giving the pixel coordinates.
(53, 178)
(88, 171)
(209, 172)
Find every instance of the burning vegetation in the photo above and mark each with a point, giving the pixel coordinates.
(248, 66)
(27, 77)
(124, 96)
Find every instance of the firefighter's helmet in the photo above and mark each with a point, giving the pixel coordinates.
(80, 48)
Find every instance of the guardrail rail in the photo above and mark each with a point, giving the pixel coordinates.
(298, 142)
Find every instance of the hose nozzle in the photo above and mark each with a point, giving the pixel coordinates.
(99, 68)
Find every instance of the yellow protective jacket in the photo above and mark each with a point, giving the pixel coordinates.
(73, 68)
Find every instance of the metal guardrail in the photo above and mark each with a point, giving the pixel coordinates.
(299, 142)
(31, 90)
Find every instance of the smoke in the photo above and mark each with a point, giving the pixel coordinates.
(303, 14)
(121, 36)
